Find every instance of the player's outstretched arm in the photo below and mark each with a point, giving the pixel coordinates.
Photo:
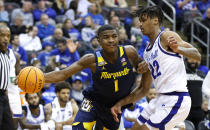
(86, 61)
(135, 59)
(176, 44)
(138, 93)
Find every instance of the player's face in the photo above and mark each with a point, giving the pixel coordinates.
(109, 41)
(152, 94)
(33, 100)
(77, 85)
(4, 38)
(63, 95)
(145, 25)
(61, 47)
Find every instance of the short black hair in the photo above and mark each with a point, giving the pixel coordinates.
(61, 85)
(61, 41)
(151, 12)
(104, 28)
(13, 37)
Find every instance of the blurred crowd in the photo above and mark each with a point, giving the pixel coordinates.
(53, 34)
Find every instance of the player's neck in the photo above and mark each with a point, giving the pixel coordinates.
(62, 104)
(111, 57)
(153, 36)
(35, 111)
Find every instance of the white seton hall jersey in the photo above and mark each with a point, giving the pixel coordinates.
(167, 68)
(35, 120)
(12, 60)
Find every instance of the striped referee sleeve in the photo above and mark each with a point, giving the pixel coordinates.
(4, 71)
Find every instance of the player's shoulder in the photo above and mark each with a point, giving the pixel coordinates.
(166, 34)
(129, 49)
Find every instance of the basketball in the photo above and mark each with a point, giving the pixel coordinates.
(31, 79)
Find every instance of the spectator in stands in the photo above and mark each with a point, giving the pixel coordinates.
(186, 5)
(4, 16)
(129, 20)
(181, 7)
(25, 12)
(45, 29)
(72, 13)
(36, 63)
(194, 85)
(60, 7)
(115, 21)
(206, 22)
(83, 6)
(34, 113)
(44, 56)
(62, 108)
(136, 34)
(111, 13)
(70, 31)
(30, 41)
(77, 89)
(95, 14)
(116, 3)
(48, 91)
(123, 38)
(205, 108)
(206, 91)
(65, 55)
(15, 45)
(57, 35)
(145, 42)
(89, 31)
(18, 27)
(94, 44)
(203, 5)
(42, 9)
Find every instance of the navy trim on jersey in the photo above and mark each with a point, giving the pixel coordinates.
(142, 119)
(173, 111)
(38, 113)
(148, 49)
(17, 115)
(168, 53)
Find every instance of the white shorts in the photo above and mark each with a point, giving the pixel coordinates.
(166, 111)
(14, 100)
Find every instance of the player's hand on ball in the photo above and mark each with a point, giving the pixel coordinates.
(142, 67)
(116, 109)
(173, 44)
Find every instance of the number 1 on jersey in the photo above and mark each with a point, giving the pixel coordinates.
(116, 85)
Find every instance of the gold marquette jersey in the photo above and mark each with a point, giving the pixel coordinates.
(167, 68)
(111, 82)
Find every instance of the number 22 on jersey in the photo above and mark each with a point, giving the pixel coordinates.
(155, 69)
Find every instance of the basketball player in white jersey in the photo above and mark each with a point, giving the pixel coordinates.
(13, 90)
(63, 110)
(164, 57)
(34, 114)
